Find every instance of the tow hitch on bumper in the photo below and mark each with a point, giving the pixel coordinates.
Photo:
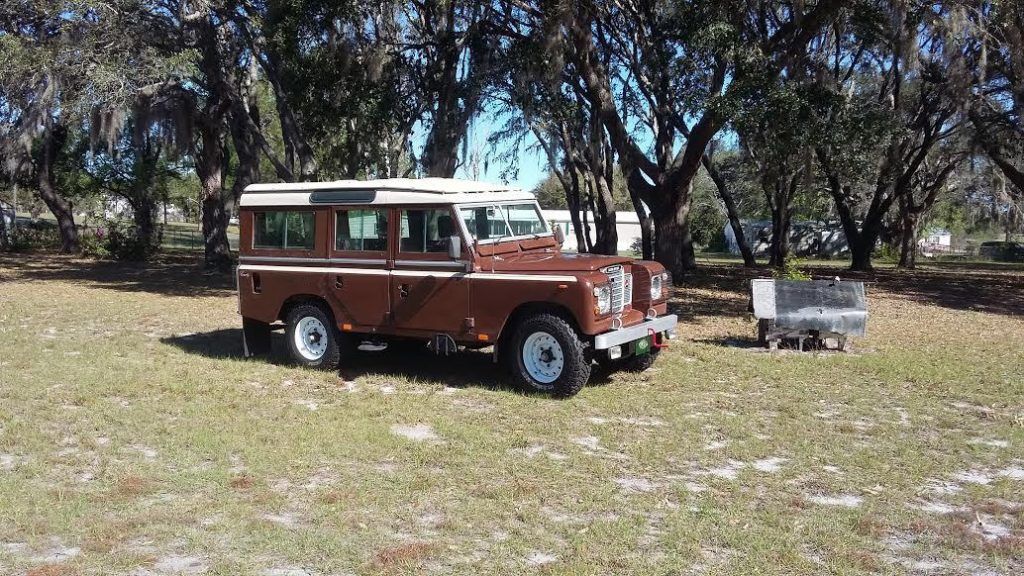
(666, 324)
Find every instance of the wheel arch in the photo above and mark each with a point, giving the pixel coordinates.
(299, 299)
(527, 309)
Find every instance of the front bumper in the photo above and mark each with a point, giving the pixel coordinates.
(636, 332)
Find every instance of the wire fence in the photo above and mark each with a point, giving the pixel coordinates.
(190, 237)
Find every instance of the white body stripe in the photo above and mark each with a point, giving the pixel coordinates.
(409, 273)
(384, 197)
(315, 269)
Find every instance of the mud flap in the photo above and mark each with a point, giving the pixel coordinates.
(255, 338)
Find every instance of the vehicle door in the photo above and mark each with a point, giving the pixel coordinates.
(359, 264)
(429, 289)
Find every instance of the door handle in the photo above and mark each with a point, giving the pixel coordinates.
(339, 282)
(403, 290)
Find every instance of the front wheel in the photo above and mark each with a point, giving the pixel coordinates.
(545, 354)
(312, 337)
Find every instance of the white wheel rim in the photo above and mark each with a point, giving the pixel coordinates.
(311, 338)
(543, 357)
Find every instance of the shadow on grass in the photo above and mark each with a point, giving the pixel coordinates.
(994, 289)
(718, 290)
(467, 369)
(169, 274)
(740, 342)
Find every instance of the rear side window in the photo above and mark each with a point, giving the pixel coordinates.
(359, 230)
(284, 230)
(425, 231)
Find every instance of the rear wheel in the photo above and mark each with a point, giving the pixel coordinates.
(313, 340)
(545, 354)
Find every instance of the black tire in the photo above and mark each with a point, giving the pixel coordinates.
(575, 356)
(639, 363)
(331, 355)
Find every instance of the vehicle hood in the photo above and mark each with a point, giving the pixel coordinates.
(554, 262)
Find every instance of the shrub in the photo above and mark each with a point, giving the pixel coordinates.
(34, 237)
(791, 271)
(123, 242)
(94, 242)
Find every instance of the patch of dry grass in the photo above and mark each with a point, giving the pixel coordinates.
(134, 439)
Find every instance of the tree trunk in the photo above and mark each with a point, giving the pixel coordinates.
(908, 242)
(779, 248)
(215, 235)
(53, 140)
(646, 222)
(210, 166)
(732, 212)
(860, 255)
(673, 242)
(572, 200)
(247, 148)
(588, 208)
(604, 218)
(144, 216)
(862, 246)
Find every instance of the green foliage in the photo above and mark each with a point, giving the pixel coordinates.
(124, 243)
(94, 242)
(791, 270)
(887, 253)
(707, 217)
(33, 238)
(551, 195)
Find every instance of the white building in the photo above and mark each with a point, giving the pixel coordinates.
(627, 225)
(937, 237)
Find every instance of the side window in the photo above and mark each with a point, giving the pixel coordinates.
(284, 230)
(423, 231)
(359, 230)
(484, 222)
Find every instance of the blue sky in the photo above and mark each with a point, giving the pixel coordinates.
(533, 166)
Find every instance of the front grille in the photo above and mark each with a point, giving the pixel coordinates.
(621, 285)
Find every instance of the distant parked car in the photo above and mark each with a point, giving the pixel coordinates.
(1002, 250)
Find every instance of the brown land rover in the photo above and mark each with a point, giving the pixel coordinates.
(448, 263)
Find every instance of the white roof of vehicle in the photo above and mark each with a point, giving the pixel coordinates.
(386, 191)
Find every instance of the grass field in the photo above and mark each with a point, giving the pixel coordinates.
(135, 440)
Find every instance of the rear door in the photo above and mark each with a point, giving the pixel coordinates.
(358, 283)
(429, 291)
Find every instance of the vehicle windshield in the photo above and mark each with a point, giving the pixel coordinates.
(494, 222)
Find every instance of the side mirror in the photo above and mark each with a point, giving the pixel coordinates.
(559, 234)
(454, 247)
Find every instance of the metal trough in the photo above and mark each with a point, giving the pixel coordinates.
(808, 309)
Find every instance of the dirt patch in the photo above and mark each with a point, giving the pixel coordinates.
(769, 465)
(288, 520)
(176, 564)
(630, 484)
(839, 500)
(415, 432)
(50, 570)
(538, 558)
